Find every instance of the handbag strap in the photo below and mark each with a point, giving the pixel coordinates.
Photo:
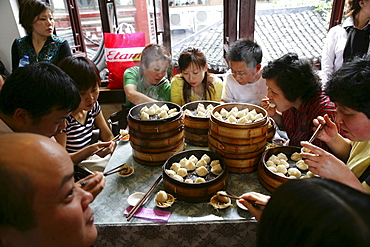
(365, 174)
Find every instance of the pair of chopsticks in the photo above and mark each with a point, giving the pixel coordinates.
(142, 200)
(254, 203)
(316, 133)
(116, 138)
(107, 173)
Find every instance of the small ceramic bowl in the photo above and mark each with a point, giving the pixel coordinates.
(241, 205)
(126, 173)
(134, 198)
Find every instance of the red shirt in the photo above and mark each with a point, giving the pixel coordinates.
(298, 123)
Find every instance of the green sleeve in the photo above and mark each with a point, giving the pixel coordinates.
(131, 76)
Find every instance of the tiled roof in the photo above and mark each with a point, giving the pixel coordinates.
(298, 30)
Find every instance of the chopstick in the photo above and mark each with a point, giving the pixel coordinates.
(254, 203)
(116, 138)
(142, 200)
(316, 133)
(107, 173)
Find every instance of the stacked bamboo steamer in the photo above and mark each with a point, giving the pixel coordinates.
(155, 140)
(240, 145)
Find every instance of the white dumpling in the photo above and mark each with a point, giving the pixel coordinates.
(155, 106)
(193, 158)
(163, 114)
(231, 119)
(310, 174)
(280, 174)
(206, 158)
(281, 169)
(182, 172)
(216, 169)
(218, 115)
(183, 161)
(274, 159)
(282, 156)
(234, 109)
(242, 120)
(188, 112)
(178, 177)
(165, 107)
(201, 114)
(209, 107)
(231, 113)
(295, 156)
(161, 196)
(190, 166)
(173, 110)
(189, 181)
(151, 111)
(201, 171)
(201, 163)
(172, 114)
(294, 172)
(158, 111)
(224, 112)
(175, 167)
(214, 163)
(272, 169)
(240, 114)
(144, 116)
(270, 163)
(144, 109)
(258, 117)
(301, 165)
(284, 163)
(200, 180)
(171, 172)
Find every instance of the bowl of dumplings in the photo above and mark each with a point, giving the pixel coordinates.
(194, 175)
(161, 111)
(279, 164)
(239, 115)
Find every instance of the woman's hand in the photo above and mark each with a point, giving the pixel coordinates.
(324, 163)
(330, 130)
(93, 183)
(254, 196)
(265, 103)
(109, 148)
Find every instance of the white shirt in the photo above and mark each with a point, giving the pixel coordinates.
(332, 53)
(251, 93)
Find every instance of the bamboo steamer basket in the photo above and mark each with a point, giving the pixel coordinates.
(271, 129)
(268, 179)
(241, 145)
(196, 192)
(196, 128)
(154, 141)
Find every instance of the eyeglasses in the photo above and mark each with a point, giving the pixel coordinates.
(238, 74)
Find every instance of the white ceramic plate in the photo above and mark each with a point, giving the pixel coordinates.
(134, 198)
(240, 205)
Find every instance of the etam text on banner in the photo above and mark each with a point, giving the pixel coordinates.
(123, 54)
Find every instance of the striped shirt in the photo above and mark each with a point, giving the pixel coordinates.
(298, 123)
(79, 135)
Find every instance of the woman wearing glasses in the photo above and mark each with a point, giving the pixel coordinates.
(149, 82)
(194, 82)
(244, 82)
(295, 98)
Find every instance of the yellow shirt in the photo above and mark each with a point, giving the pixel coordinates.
(177, 84)
(359, 159)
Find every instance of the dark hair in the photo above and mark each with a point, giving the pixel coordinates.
(152, 53)
(353, 8)
(17, 194)
(295, 77)
(195, 56)
(39, 88)
(244, 50)
(350, 85)
(315, 212)
(82, 70)
(28, 10)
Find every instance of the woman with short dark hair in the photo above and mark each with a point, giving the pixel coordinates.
(40, 44)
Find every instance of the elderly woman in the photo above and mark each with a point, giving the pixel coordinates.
(36, 17)
(295, 98)
(350, 162)
(149, 82)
